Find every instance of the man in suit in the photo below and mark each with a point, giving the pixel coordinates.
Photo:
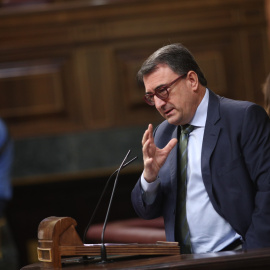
(227, 185)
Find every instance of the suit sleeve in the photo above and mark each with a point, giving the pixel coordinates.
(144, 210)
(256, 151)
(164, 202)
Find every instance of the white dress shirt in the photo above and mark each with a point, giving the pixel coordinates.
(208, 230)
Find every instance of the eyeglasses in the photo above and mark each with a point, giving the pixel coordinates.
(162, 92)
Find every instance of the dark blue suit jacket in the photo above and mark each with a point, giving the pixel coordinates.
(235, 166)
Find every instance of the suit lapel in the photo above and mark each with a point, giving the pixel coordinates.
(211, 135)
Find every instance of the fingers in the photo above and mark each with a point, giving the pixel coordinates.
(162, 154)
(150, 128)
(149, 145)
(148, 134)
(171, 144)
(146, 149)
(153, 157)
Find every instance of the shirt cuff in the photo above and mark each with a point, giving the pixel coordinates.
(149, 190)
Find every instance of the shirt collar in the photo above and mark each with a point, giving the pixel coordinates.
(199, 118)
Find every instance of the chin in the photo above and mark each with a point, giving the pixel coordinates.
(172, 122)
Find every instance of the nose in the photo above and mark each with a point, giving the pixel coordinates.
(159, 102)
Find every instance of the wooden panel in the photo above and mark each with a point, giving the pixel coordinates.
(257, 61)
(39, 93)
(130, 103)
(94, 66)
(30, 88)
(72, 66)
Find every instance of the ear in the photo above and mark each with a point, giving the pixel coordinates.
(192, 80)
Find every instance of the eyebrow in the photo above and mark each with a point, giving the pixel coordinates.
(158, 87)
(149, 93)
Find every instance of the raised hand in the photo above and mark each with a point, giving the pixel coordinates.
(153, 156)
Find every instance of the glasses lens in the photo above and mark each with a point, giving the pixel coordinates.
(149, 99)
(162, 93)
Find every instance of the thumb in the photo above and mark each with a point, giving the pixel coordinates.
(171, 144)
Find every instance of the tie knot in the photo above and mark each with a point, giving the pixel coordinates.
(186, 129)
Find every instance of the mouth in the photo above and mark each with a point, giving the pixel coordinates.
(168, 112)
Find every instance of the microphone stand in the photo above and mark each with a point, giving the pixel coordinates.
(101, 197)
(103, 248)
(104, 256)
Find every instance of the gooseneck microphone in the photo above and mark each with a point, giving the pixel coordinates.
(103, 248)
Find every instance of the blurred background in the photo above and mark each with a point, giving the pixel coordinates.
(69, 96)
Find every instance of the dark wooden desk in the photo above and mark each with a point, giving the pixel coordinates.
(257, 259)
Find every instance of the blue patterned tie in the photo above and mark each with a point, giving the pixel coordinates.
(184, 236)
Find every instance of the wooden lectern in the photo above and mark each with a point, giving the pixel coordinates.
(57, 238)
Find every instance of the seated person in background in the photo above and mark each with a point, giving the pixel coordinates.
(8, 253)
(266, 93)
(207, 166)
